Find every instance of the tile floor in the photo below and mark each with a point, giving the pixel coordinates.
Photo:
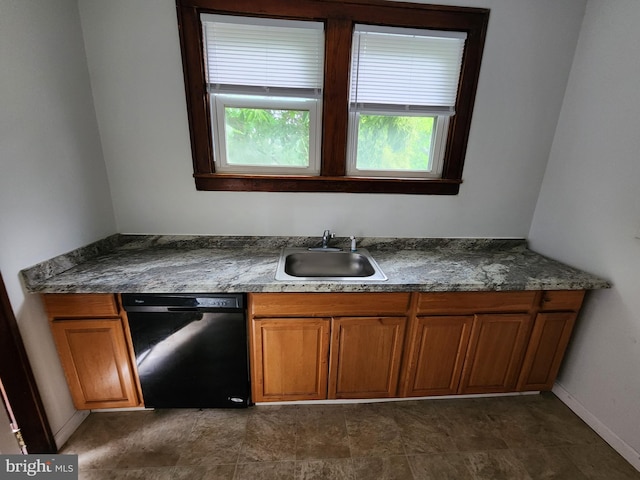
(524, 437)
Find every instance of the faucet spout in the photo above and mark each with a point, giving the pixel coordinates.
(324, 245)
(326, 237)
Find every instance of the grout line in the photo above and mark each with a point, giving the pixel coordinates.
(346, 429)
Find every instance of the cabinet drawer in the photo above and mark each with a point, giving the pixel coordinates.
(328, 304)
(66, 305)
(475, 302)
(562, 300)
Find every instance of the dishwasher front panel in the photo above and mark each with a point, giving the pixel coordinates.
(191, 359)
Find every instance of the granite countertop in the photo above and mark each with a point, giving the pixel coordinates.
(164, 264)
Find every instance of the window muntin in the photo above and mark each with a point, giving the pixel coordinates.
(264, 79)
(405, 81)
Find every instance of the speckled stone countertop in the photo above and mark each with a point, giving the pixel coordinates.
(164, 264)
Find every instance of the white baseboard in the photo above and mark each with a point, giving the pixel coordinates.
(62, 435)
(403, 399)
(619, 445)
(128, 409)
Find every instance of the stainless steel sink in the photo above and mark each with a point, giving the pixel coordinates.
(298, 264)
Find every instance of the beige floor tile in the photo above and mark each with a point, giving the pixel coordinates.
(164, 456)
(496, 465)
(332, 468)
(127, 474)
(382, 468)
(448, 466)
(373, 432)
(270, 436)
(601, 462)
(521, 437)
(211, 472)
(548, 464)
(266, 471)
(321, 432)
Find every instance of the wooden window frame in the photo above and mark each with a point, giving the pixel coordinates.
(339, 18)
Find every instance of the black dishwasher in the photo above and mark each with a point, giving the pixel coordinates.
(191, 349)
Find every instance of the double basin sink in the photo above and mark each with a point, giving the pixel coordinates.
(303, 264)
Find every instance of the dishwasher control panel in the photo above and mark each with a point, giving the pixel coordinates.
(145, 301)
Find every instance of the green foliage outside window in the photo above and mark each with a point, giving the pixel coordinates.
(270, 137)
(387, 142)
(278, 137)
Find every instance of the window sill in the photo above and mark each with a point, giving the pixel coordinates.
(264, 183)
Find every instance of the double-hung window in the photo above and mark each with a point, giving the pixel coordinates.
(404, 84)
(264, 78)
(330, 96)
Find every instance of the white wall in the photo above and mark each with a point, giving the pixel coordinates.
(54, 194)
(589, 213)
(136, 75)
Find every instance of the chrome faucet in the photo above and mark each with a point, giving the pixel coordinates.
(324, 244)
(326, 238)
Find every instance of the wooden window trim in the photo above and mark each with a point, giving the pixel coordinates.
(339, 18)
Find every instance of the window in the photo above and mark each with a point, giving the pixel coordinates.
(330, 96)
(403, 90)
(261, 134)
(264, 79)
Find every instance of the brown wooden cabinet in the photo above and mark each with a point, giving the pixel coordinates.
(361, 356)
(549, 339)
(312, 346)
(365, 356)
(289, 358)
(467, 342)
(435, 355)
(456, 343)
(496, 349)
(92, 338)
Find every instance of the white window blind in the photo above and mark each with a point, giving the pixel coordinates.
(259, 55)
(414, 70)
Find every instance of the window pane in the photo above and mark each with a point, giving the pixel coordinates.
(267, 137)
(390, 142)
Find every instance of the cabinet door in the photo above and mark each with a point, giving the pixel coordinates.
(496, 350)
(289, 359)
(95, 359)
(365, 356)
(548, 343)
(436, 349)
